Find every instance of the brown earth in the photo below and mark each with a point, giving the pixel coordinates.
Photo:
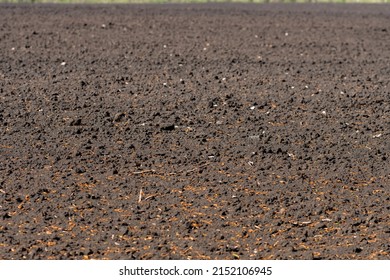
(195, 132)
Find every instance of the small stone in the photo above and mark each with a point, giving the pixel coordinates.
(119, 117)
(80, 170)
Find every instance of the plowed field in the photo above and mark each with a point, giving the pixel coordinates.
(195, 131)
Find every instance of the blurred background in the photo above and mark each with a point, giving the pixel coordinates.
(194, 1)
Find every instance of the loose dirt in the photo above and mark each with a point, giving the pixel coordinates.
(194, 132)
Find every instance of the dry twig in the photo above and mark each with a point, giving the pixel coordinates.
(140, 195)
(171, 173)
(144, 171)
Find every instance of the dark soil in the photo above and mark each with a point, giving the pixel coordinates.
(195, 132)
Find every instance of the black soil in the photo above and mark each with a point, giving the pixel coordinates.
(195, 132)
